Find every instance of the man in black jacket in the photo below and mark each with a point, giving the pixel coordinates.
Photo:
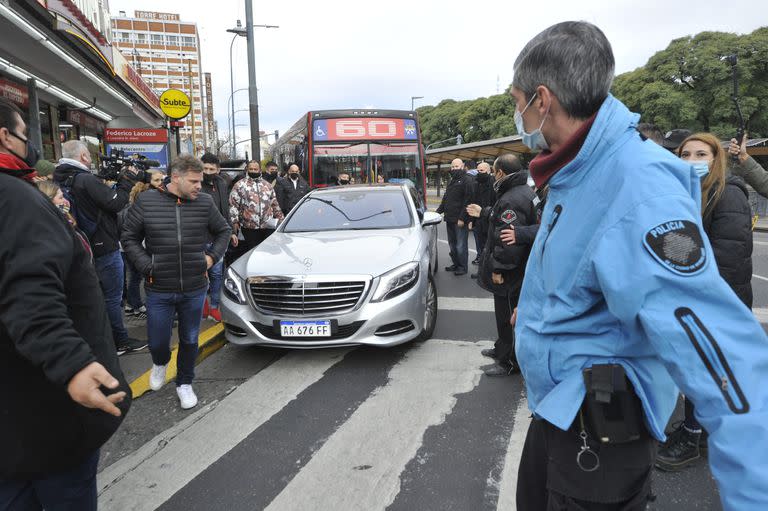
(455, 199)
(97, 206)
(57, 358)
(484, 196)
(291, 189)
(502, 265)
(175, 225)
(215, 186)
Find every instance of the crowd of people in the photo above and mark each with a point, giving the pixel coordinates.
(620, 277)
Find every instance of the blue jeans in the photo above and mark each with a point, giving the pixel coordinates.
(134, 284)
(70, 490)
(457, 242)
(111, 277)
(215, 278)
(161, 308)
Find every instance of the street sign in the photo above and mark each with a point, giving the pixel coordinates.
(177, 124)
(175, 104)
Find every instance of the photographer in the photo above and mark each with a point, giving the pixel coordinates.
(96, 205)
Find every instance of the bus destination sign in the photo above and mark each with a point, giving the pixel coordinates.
(364, 128)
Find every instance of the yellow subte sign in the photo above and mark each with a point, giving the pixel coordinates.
(175, 104)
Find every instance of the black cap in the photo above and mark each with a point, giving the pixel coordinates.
(673, 139)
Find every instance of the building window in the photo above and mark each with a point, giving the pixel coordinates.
(172, 40)
(141, 38)
(157, 38)
(188, 41)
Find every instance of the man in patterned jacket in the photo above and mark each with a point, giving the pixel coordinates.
(253, 207)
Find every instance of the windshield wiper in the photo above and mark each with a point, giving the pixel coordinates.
(331, 204)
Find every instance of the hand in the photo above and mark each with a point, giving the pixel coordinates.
(469, 226)
(497, 278)
(474, 210)
(741, 151)
(508, 236)
(234, 240)
(209, 260)
(460, 224)
(84, 386)
(513, 319)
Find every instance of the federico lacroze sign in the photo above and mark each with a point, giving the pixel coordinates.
(175, 104)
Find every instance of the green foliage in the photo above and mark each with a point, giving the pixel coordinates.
(475, 120)
(688, 84)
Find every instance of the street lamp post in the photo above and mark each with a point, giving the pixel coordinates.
(415, 97)
(238, 31)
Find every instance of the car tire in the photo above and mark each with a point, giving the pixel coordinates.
(430, 314)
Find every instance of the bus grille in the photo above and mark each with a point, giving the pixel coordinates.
(306, 298)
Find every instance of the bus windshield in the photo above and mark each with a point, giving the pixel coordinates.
(367, 162)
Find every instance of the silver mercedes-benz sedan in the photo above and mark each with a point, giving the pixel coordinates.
(349, 265)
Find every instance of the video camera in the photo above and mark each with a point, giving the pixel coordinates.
(115, 164)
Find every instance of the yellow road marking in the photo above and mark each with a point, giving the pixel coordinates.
(208, 342)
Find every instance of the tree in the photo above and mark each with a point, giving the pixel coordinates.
(688, 84)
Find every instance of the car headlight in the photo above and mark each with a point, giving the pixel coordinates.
(396, 282)
(233, 287)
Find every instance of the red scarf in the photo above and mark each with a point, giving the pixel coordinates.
(547, 163)
(11, 165)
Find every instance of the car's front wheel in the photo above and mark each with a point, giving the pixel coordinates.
(430, 312)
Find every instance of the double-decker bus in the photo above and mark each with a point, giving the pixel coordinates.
(365, 144)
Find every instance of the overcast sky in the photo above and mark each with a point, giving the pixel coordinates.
(355, 54)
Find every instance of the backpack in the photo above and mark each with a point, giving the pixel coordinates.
(84, 222)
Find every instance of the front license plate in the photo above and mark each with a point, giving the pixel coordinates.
(305, 328)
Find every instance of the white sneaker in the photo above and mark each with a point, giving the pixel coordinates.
(157, 377)
(186, 396)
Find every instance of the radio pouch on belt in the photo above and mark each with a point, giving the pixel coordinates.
(612, 411)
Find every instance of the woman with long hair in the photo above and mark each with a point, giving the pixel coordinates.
(54, 193)
(727, 221)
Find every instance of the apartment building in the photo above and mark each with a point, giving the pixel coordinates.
(165, 51)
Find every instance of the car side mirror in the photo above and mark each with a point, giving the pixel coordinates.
(431, 218)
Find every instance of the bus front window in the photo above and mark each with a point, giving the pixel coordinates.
(330, 160)
(396, 162)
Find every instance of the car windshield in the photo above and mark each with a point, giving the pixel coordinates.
(351, 209)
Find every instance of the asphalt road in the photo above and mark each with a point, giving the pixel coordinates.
(414, 427)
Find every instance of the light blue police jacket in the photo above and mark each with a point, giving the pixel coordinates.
(621, 272)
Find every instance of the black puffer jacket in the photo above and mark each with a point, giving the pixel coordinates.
(483, 195)
(516, 207)
(457, 197)
(99, 202)
(287, 195)
(729, 227)
(175, 232)
(218, 190)
(53, 323)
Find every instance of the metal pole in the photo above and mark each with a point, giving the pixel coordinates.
(192, 106)
(439, 179)
(33, 124)
(232, 100)
(253, 100)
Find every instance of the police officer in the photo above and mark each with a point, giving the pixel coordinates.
(622, 300)
(502, 265)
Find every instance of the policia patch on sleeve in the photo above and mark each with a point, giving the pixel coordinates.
(508, 216)
(678, 246)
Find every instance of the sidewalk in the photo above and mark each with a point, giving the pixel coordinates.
(761, 225)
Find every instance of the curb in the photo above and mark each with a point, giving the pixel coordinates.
(208, 342)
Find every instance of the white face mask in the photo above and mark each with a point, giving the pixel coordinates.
(534, 140)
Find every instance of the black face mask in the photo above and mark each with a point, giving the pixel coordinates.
(208, 178)
(33, 155)
(294, 176)
(270, 177)
(254, 175)
(482, 177)
(343, 181)
(458, 173)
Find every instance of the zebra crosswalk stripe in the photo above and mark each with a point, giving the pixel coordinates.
(370, 450)
(147, 478)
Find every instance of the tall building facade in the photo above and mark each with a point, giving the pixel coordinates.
(165, 51)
